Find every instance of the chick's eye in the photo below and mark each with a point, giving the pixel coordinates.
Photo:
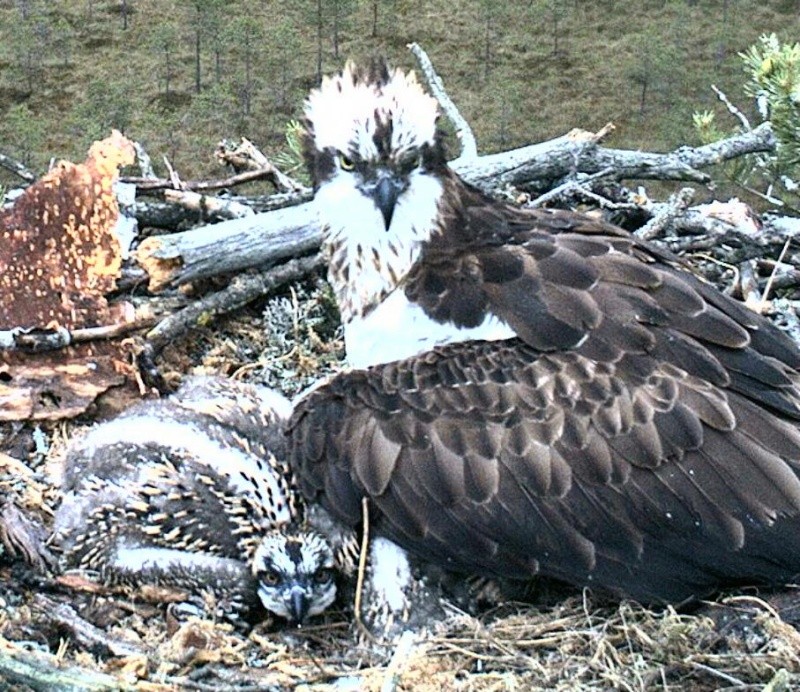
(324, 576)
(270, 578)
(346, 163)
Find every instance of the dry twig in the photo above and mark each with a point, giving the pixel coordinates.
(469, 146)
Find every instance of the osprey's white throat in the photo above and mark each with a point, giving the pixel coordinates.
(367, 261)
(371, 137)
(368, 266)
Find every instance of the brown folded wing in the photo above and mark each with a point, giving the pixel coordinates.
(640, 434)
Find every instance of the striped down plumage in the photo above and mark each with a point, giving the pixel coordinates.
(194, 491)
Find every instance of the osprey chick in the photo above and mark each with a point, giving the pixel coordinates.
(194, 492)
(542, 392)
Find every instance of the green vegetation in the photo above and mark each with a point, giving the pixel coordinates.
(180, 76)
(773, 70)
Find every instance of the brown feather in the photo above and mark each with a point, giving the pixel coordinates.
(640, 433)
(586, 478)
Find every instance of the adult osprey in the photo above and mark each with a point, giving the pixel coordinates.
(540, 392)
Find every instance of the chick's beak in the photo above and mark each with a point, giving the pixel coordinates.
(298, 604)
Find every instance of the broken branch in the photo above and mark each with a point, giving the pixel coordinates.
(229, 246)
(243, 289)
(469, 146)
(150, 184)
(247, 156)
(272, 236)
(17, 168)
(567, 155)
(207, 205)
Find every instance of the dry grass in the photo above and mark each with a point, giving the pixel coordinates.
(575, 645)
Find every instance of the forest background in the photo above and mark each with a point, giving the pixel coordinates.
(180, 76)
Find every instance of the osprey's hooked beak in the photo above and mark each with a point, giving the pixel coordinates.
(298, 604)
(385, 193)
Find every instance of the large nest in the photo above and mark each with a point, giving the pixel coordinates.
(72, 634)
(59, 633)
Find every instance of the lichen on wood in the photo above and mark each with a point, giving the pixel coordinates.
(59, 257)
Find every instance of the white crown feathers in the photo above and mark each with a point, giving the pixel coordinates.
(348, 108)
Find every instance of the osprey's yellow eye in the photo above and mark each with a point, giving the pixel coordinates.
(410, 161)
(346, 163)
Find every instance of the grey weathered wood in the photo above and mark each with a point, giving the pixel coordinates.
(41, 673)
(17, 168)
(230, 246)
(469, 145)
(272, 236)
(557, 158)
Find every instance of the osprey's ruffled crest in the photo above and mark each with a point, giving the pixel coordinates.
(371, 112)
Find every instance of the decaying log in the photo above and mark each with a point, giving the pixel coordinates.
(59, 256)
(229, 246)
(59, 260)
(49, 389)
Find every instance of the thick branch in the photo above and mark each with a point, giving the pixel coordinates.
(229, 246)
(243, 289)
(273, 236)
(568, 155)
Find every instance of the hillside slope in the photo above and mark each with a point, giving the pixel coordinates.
(72, 69)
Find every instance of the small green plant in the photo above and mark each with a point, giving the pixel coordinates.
(773, 80)
(290, 159)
